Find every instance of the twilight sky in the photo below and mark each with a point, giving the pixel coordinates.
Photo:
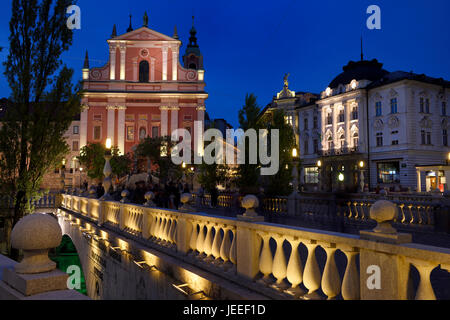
(248, 46)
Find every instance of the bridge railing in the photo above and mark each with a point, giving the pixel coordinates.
(270, 255)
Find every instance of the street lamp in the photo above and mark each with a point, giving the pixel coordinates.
(63, 174)
(81, 170)
(107, 171)
(319, 177)
(361, 176)
(294, 169)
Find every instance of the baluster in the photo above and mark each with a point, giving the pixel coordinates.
(208, 240)
(355, 204)
(331, 282)
(171, 230)
(233, 253)
(216, 243)
(349, 204)
(403, 217)
(294, 270)
(161, 227)
(265, 260)
(312, 276)
(279, 262)
(425, 290)
(166, 229)
(194, 235)
(201, 239)
(419, 214)
(412, 213)
(226, 245)
(350, 283)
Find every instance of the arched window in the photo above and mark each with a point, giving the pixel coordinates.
(192, 66)
(342, 140)
(355, 139)
(330, 142)
(143, 71)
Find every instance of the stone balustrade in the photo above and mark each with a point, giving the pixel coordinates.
(294, 262)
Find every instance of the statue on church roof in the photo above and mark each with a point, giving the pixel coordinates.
(286, 82)
(145, 19)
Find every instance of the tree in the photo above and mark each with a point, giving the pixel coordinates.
(248, 119)
(279, 184)
(42, 103)
(158, 150)
(92, 157)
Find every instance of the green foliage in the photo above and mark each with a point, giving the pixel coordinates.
(42, 103)
(92, 157)
(279, 184)
(152, 148)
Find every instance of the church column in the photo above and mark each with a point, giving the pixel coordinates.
(164, 63)
(174, 118)
(174, 64)
(83, 126)
(112, 62)
(121, 129)
(152, 69)
(111, 122)
(164, 121)
(201, 113)
(122, 61)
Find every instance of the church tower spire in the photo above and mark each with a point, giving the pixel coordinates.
(193, 58)
(145, 20)
(130, 28)
(114, 32)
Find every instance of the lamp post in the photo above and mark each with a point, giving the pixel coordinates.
(63, 174)
(81, 171)
(107, 171)
(361, 176)
(294, 169)
(183, 169)
(319, 177)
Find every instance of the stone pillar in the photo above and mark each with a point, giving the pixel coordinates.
(164, 121)
(247, 250)
(164, 63)
(174, 64)
(184, 230)
(174, 118)
(122, 61)
(419, 181)
(112, 62)
(111, 123)
(383, 275)
(83, 126)
(121, 129)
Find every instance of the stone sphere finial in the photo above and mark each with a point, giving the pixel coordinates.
(35, 234)
(124, 194)
(383, 212)
(149, 196)
(250, 203)
(186, 198)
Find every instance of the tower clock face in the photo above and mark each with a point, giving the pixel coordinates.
(144, 52)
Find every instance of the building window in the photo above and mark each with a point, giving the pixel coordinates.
(306, 146)
(315, 122)
(355, 113)
(97, 133)
(342, 141)
(330, 143)
(394, 132)
(74, 145)
(388, 172)
(143, 71)
(341, 116)
(130, 133)
(378, 109)
(425, 137)
(316, 146)
(329, 118)
(289, 120)
(379, 139)
(421, 110)
(394, 142)
(155, 132)
(142, 133)
(445, 138)
(312, 175)
(394, 105)
(444, 108)
(427, 105)
(76, 129)
(355, 139)
(305, 122)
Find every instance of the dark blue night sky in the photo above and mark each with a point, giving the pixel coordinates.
(249, 45)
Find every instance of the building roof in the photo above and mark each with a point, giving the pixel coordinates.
(361, 70)
(402, 75)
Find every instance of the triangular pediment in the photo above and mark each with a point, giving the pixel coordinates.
(144, 33)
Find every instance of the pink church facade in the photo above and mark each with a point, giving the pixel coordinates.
(143, 90)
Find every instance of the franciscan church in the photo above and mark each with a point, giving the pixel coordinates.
(371, 128)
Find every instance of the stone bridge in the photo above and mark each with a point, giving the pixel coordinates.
(130, 251)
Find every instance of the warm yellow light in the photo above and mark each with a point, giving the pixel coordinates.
(183, 165)
(328, 91)
(361, 164)
(341, 177)
(294, 153)
(108, 143)
(63, 162)
(81, 169)
(449, 156)
(319, 163)
(192, 168)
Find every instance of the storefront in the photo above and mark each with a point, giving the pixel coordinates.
(432, 178)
